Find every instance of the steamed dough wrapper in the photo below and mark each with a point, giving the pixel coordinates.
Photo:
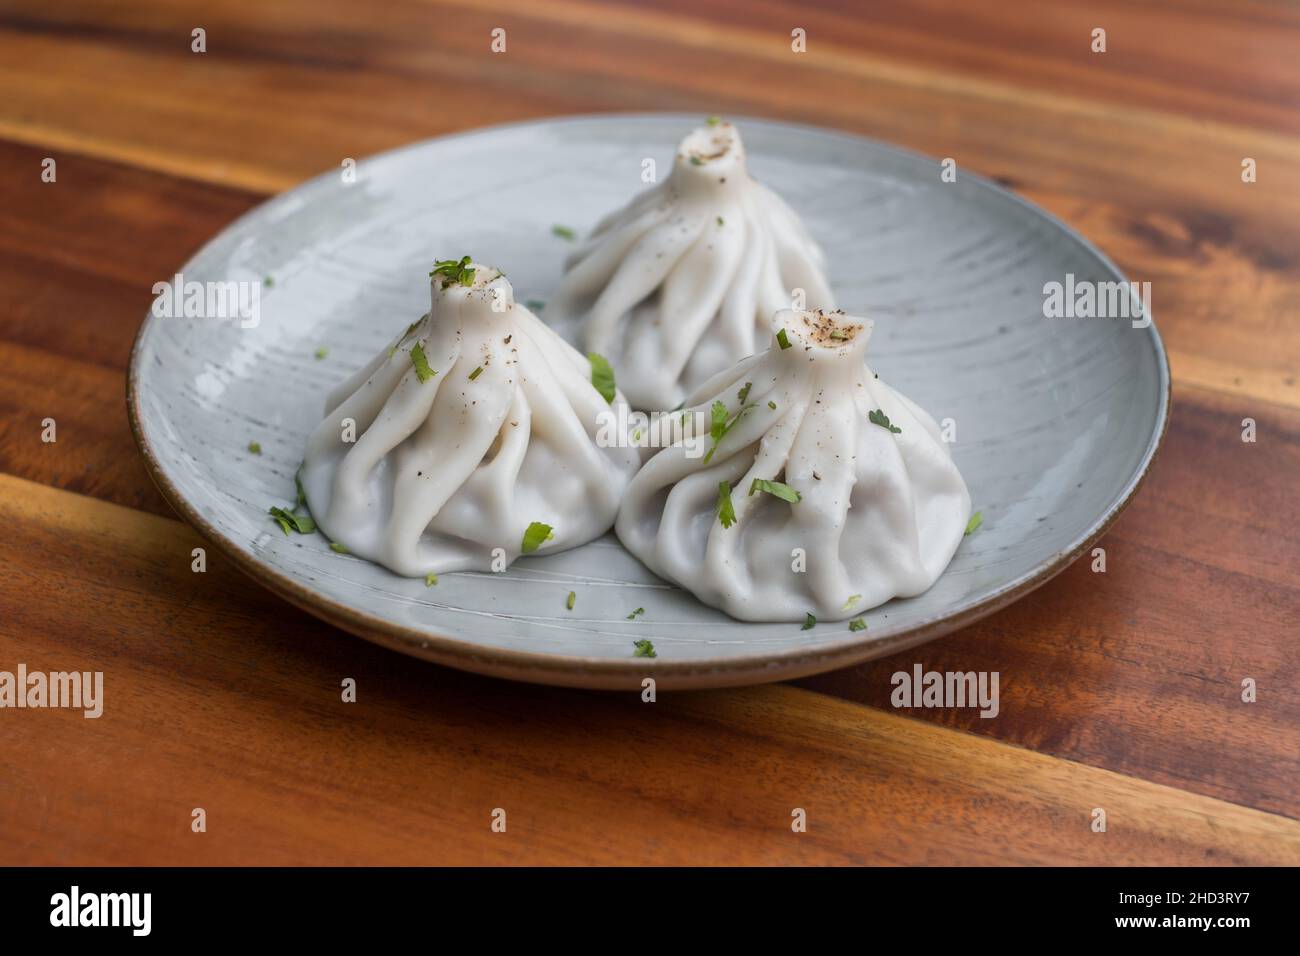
(500, 434)
(683, 281)
(879, 512)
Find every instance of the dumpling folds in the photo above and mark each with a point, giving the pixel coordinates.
(476, 423)
(682, 282)
(876, 510)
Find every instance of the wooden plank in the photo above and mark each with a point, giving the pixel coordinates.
(219, 696)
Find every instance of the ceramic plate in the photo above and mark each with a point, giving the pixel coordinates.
(1056, 419)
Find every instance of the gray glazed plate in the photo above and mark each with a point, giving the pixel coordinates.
(1057, 420)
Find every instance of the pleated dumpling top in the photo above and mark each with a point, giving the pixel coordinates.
(471, 439)
(821, 490)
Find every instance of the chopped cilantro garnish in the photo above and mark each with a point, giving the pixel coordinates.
(602, 376)
(255, 447)
(535, 305)
(713, 120)
(476, 373)
(780, 490)
(720, 222)
(637, 613)
(564, 232)
(340, 548)
(726, 512)
(430, 579)
(772, 405)
(782, 340)
(421, 363)
(696, 161)
(301, 500)
(536, 535)
(744, 392)
(287, 520)
(809, 622)
(878, 417)
(453, 271)
(853, 599)
(644, 649)
(976, 520)
(573, 597)
(268, 281)
(857, 624)
(412, 327)
(322, 352)
(719, 424)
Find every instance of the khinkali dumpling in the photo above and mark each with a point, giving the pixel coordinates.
(682, 282)
(476, 430)
(824, 466)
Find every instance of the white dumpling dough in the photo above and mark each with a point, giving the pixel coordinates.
(881, 513)
(682, 282)
(444, 471)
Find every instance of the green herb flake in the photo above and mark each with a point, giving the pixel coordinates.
(696, 161)
(976, 520)
(421, 363)
(857, 624)
(809, 622)
(772, 405)
(783, 340)
(453, 272)
(853, 599)
(602, 376)
(301, 500)
(644, 649)
(288, 520)
(255, 447)
(321, 353)
(339, 548)
(430, 579)
(573, 598)
(721, 222)
(744, 392)
(535, 305)
(776, 488)
(536, 536)
(720, 424)
(878, 417)
(564, 232)
(713, 120)
(726, 511)
(476, 373)
(268, 281)
(635, 614)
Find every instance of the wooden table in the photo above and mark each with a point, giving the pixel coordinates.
(1120, 691)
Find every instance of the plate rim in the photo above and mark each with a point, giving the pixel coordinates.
(626, 673)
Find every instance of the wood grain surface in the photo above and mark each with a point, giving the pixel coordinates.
(1119, 690)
